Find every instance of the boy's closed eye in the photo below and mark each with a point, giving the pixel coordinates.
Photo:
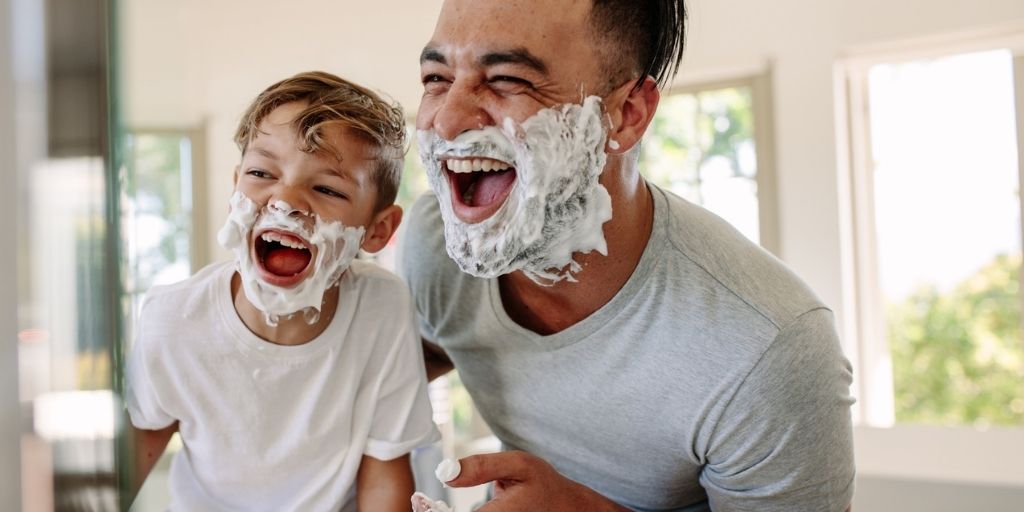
(259, 173)
(328, 191)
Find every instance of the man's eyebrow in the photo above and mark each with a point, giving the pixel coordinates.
(432, 54)
(520, 56)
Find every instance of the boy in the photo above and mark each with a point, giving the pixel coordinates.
(295, 371)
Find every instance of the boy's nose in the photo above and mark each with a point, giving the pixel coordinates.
(289, 201)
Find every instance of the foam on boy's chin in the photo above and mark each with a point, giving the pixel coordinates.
(336, 247)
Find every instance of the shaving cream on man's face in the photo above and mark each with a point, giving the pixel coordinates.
(285, 264)
(545, 170)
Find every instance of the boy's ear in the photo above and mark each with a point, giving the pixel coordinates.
(631, 110)
(234, 177)
(383, 226)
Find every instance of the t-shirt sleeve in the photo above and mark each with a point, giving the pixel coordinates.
(784, 442)
(142, 383)
(403, 417)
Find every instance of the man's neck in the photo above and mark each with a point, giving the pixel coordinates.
(548, 310)
(291, 330)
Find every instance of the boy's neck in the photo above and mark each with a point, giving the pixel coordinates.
(288, 331)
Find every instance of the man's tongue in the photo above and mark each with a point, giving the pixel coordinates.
(489, 187)
(285, 261)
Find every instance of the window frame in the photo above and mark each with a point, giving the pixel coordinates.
(759, 81)
(883, 447)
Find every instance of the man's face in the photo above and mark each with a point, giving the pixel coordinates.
(512, 134)
(274, 171)
(494, 59)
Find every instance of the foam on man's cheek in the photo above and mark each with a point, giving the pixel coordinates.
(557, 207)
(336, 246)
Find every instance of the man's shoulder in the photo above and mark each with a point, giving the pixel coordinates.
(422, 233)
(701, 239)
(422, 257)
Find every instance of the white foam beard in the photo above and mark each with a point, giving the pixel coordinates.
(556, 207)
(336, 247)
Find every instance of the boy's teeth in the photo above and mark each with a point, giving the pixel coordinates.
(476, 165)
(287, 242)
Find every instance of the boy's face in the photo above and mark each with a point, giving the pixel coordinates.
(274, 171)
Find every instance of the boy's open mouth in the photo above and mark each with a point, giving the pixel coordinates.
(282, 258)
(479, 186)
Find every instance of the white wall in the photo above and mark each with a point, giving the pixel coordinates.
(10, 414)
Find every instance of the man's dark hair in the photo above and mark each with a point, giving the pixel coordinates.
(650, 34)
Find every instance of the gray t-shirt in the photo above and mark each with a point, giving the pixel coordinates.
(713, 379)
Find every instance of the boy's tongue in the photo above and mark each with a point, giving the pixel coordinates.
(489, 187)
(285, 261)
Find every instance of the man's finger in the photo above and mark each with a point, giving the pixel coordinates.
(481, 469)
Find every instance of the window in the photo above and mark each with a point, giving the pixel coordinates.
(936, 185)
(157, 216)
(711, 146)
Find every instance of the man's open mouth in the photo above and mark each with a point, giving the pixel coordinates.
(479, 186)
(282, 257)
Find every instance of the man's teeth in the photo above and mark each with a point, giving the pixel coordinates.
(477, 165)
(286, 241)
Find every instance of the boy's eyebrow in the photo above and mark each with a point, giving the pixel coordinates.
(341, 173)
(265, 152)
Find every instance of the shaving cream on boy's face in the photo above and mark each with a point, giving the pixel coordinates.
(547, 169)
(286, 266)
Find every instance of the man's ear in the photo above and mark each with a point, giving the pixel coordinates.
(383, 226)
(631, 109)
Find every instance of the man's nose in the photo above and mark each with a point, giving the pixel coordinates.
(462, 110)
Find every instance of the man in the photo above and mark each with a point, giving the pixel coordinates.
(630, 350)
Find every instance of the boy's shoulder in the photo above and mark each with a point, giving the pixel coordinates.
(371, 280)
(198, 288)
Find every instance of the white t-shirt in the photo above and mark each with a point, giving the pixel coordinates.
(273, 427)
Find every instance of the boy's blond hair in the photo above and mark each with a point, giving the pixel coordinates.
(335, 101)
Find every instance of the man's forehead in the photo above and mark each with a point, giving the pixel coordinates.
(503, 24)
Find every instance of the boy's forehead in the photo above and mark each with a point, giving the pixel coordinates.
(336, 141)
(339, 152)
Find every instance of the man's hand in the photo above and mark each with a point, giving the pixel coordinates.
(523, 482)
